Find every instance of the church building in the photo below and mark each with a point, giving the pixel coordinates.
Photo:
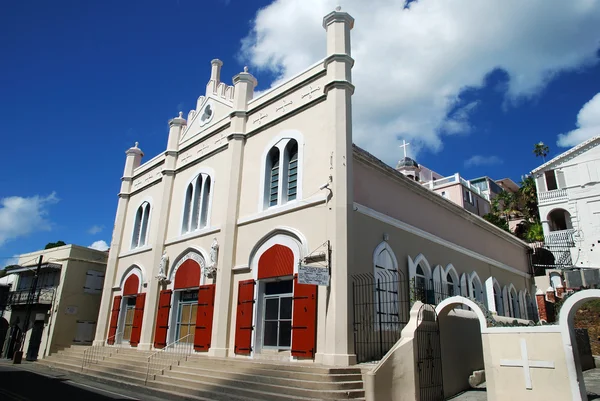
(213, 237)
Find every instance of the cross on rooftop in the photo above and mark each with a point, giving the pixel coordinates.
(404, 146)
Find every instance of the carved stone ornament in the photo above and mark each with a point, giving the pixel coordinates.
(211, 269)
(162, 268)
(196, 257)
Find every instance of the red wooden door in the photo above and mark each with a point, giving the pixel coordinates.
(114, 319)
(243, 321)
(162, 319)
(136, 329)
(204, 317)
(304, 320)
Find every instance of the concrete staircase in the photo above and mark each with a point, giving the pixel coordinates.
(221, 379)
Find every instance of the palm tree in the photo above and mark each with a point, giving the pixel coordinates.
(508, 204)
(540, 149)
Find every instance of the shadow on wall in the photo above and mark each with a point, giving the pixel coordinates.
(462, 349)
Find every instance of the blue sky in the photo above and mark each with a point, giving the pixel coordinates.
(80, 82)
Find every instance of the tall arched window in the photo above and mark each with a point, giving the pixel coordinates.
(386, 293)
(282, 173)
(197, 200)
(140, 226)
(273, 182)
(292, 173)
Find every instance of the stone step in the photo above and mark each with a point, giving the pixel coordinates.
(225, 393)
(257, 378)
(240, 387)
(156, 391)
(211, 362)
(273, 373)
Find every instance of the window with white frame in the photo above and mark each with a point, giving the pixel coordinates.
(197, 199)
(140, 226)
(386, 290)
(450, 285)
(281, 173)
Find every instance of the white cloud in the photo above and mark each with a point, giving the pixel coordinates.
(9, 261)
(21, 216)
(95, 229)
(479, 160)
(588, 124)
(412, 64)
(99, 245)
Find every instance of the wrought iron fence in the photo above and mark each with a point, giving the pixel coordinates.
(381, 310)
(551, 255)
(40, 296)
(169, 356)
(97, 353)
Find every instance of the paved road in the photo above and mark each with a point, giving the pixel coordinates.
(592, 385)
(34, 382)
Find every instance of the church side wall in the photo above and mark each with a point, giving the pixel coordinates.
(383, 193)
(369, 233)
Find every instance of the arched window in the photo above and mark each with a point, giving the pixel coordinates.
(450, 285)
(197, 199)
(273, 183)
(386, 287)
(498, 299)
(281, 173)
(475, 287)
(292, 173)
(513, 303)
(420, 284)
(140, 226)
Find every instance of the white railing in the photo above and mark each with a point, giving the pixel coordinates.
(444, 181)
(169, 356)
(97, 353)
(556, 195)
(456, 178)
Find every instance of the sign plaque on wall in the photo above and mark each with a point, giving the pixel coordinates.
(313, 275)
(71, 310)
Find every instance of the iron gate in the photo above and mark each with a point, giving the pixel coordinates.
(380, 311)
(429, 357)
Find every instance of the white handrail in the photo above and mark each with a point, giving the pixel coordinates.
(97, 352)
(170, 355)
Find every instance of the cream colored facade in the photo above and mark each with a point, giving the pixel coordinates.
(69, 287)
(346, 204)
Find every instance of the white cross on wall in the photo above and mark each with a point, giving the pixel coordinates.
(282, 107)
(404, 146)
(310, 92)
(526, 364)
(202, 149)
(260, 117)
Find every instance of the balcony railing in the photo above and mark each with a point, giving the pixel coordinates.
(456, 178)
(41, 296)
(557, 195)
(562, 237)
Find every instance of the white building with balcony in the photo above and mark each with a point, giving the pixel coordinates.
(569, 202)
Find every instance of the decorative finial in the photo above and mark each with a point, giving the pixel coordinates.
(181, 114)
(136, 144)
(338, 8)
(245, 68)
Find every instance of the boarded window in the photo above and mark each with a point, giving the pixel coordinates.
(94, 282)
(85, 332)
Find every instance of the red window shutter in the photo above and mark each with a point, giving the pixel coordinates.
(304, 320)
(162, 319)
(243, 321)
(204, 317)
(136, 328)
(114, 319)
